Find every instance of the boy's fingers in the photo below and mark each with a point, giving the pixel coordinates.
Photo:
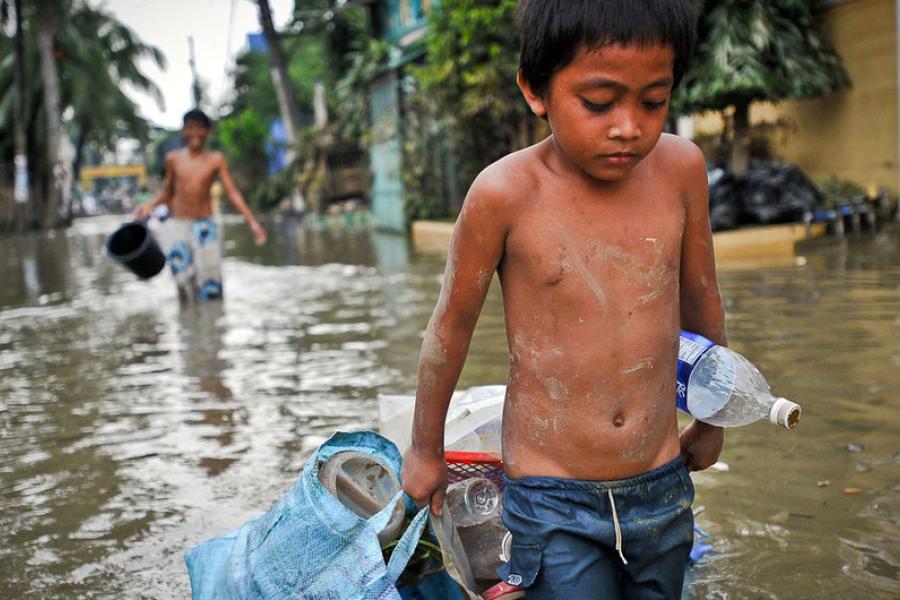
(437, 502)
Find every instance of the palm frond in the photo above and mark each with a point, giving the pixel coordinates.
(752, 50)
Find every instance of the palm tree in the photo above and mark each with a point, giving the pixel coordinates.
(46, 33)
(96, 73)
(86, 58)
(757, 50)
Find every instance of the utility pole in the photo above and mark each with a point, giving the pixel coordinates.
(287, 102)
(196, 90)
(21, 192)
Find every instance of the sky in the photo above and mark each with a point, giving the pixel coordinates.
(219, 35)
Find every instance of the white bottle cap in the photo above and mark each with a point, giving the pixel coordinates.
(785, 413)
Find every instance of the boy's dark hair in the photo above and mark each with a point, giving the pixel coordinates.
(197, 116)
(553, 31)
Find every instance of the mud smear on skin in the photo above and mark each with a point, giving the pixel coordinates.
(657, 277)
(574, 259)
(644, 363)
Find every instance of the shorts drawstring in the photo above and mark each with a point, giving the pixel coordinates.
(618, 527)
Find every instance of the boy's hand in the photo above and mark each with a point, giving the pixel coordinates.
(424, 478)
(701, 444)
(143, 211)
(259, 234)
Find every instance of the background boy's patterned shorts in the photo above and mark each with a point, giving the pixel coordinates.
(195, 258)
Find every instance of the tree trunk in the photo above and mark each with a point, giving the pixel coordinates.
(25, 212)
(45, 38)
(287, 102)
(740, 141)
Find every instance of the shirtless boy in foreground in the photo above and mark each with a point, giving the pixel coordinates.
(600, 235)
(195, 254)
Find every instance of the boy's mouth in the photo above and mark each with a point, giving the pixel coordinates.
(619, 158)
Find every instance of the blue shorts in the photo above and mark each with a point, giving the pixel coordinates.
(627, 538)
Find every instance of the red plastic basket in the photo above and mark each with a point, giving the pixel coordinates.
(463, 465)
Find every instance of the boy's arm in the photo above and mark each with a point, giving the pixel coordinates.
(476, 249)
(237, 200)
(701, 305)
(165, 193)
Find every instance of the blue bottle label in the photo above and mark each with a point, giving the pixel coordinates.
(691, 349)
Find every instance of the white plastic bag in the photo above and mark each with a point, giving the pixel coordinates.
(473, 419)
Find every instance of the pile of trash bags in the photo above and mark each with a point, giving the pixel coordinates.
(764, 194)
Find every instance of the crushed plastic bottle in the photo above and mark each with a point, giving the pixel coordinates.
(718, 386)
(473, 501)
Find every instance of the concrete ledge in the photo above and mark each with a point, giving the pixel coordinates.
(768, 240)
(738, 244)
(431, 236)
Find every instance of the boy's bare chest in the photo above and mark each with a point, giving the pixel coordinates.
(579, 244)
(193, 173)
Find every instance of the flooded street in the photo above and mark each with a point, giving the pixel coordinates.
(132, 428)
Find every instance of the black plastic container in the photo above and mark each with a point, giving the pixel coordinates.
(133, 245)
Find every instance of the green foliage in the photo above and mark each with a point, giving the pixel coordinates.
(242, 134)
(837, 191)
(763, 140)
(308, 64)
(465, 97)
(271, 191)
(242, 137)
(320, 45)
(364, 62)
(427, 149)
(96, 57)
(252, 84)
(750, 50)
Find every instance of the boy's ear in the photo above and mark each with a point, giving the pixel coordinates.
(535, 102)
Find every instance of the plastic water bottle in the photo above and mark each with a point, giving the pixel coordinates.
(718, 386)
(473, 501)
(483, 544)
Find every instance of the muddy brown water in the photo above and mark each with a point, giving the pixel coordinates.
(131, 428)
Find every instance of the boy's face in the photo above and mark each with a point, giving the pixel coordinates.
(195, 134)
(607, 108)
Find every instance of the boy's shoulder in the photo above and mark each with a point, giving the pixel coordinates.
(507, 179)
(678, 156)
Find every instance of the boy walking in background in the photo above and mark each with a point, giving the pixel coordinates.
(195, 254)
(600, 235)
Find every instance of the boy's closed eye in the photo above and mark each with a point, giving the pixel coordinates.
(597, 107)
(656, 104)
(602, 107)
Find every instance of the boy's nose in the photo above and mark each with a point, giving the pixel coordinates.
(626, 128)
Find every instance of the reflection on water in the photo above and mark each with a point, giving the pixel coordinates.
(133, 428)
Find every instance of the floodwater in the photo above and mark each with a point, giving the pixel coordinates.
(132, 428)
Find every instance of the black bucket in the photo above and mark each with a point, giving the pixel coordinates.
(133, 245)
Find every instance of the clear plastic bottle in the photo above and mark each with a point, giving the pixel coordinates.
(473, 501)
(718, 386)
(483, 544)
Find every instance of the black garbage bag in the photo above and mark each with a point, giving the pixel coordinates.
(765, 193)
(777, 193)
(724, 199)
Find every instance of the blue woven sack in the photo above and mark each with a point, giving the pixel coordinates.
(308, 545)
